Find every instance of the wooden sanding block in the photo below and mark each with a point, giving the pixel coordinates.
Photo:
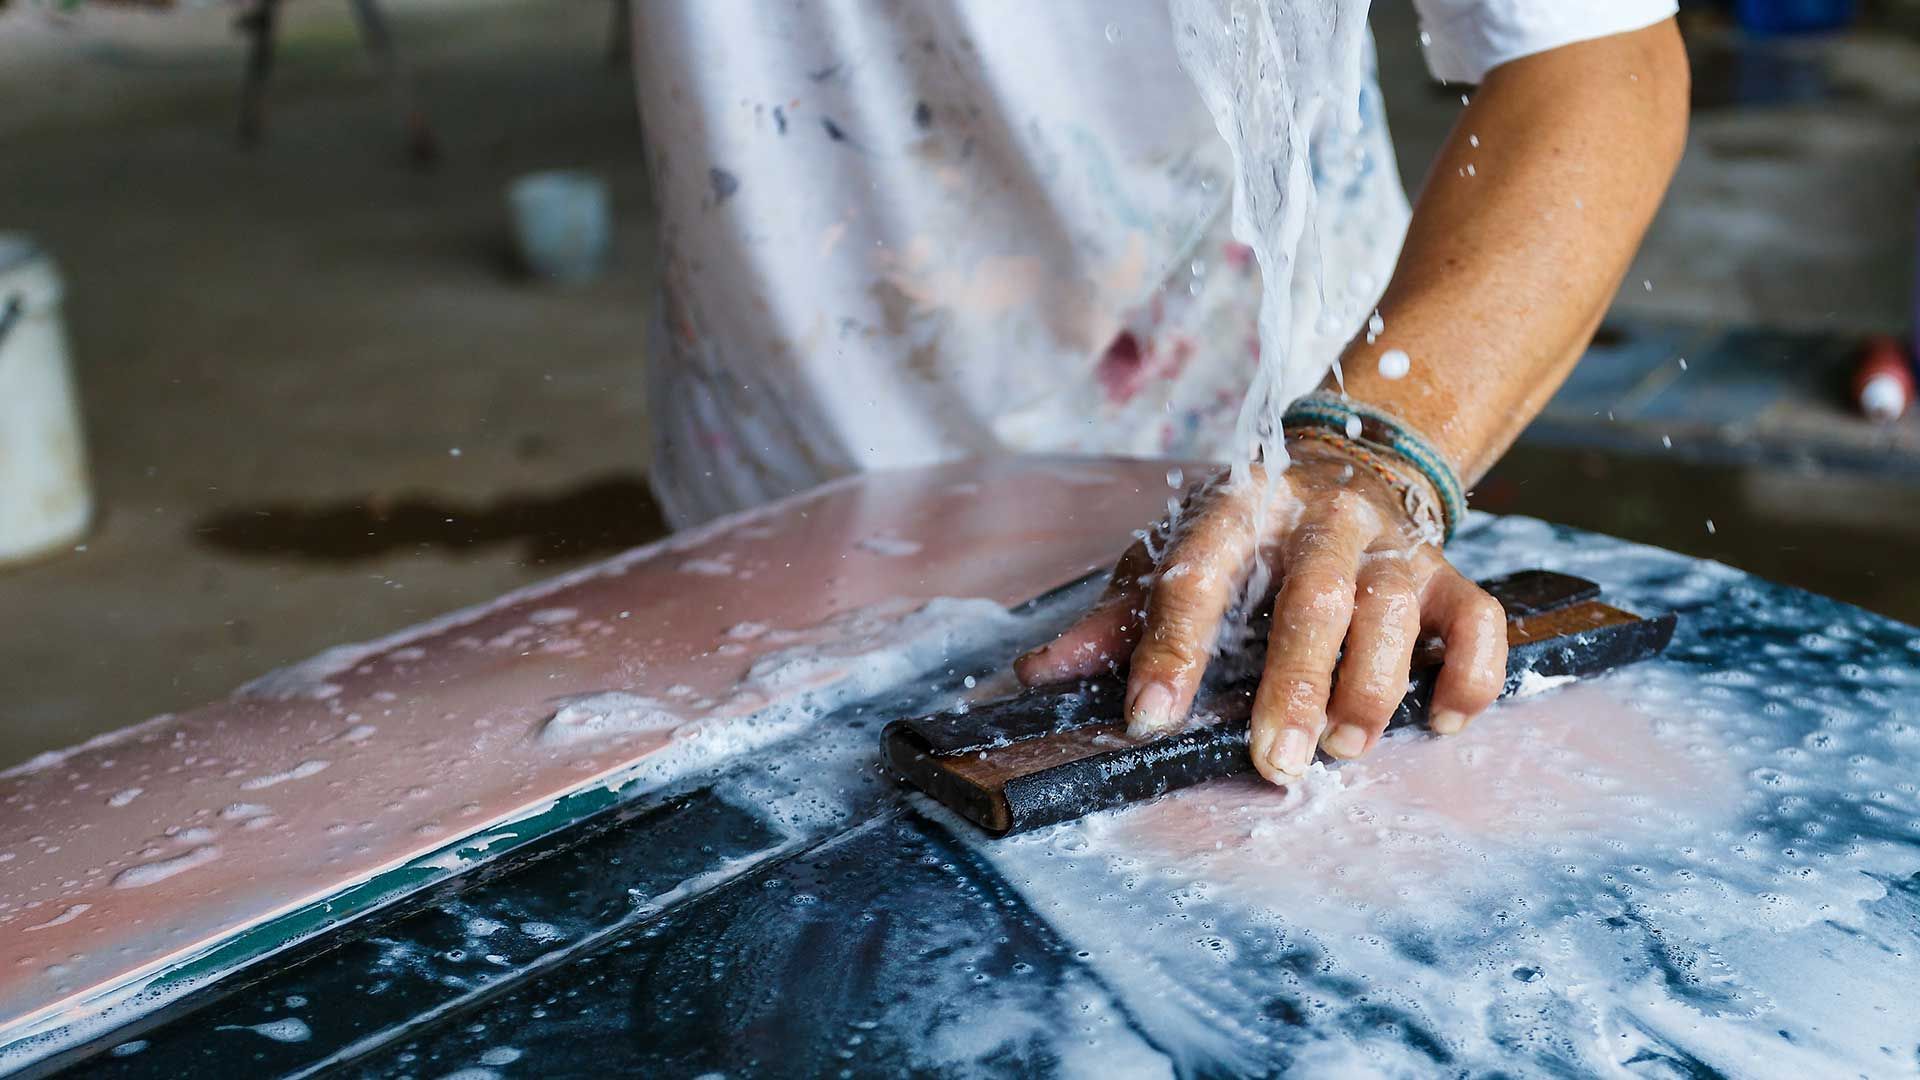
(1054, 753)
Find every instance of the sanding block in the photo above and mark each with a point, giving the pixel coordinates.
(1054, 753)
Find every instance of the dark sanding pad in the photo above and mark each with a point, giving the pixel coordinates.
(1054, 753)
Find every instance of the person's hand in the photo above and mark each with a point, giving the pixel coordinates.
(1350, 568)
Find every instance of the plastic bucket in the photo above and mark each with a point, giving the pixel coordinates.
(45, 498)
(562, 224)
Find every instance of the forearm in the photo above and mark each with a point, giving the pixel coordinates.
(1520, 237)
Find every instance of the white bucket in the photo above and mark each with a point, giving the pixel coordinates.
(45, 500)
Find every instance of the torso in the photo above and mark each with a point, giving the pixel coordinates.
(908, 232)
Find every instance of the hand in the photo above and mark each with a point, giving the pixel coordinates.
(1351, 569)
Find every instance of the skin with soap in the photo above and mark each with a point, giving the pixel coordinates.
(1519, 239)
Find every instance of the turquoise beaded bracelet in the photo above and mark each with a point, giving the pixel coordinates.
(1382, 432)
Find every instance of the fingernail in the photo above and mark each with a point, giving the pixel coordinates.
(1152, 710)
(1294, 752)
(1347, 741)
(1447, 721)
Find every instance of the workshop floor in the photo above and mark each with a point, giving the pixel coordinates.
(321, 406)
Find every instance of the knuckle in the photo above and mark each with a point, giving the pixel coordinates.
(1321, 593)
(1313, 539)
(1295, 689)
(1391, 575)
(1348, 503)
(1176, 597)
(1169, 655)
(1371, 701)
(1475, 685)
(1485, 612)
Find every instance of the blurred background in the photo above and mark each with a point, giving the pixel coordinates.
(259, 292)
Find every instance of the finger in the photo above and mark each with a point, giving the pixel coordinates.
(1310, 619)
(1101, 637)
(1379, 656)
(1474, 628)
(1096, 643)
(1192, 591)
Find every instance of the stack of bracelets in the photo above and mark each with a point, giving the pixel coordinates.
(1379, 440)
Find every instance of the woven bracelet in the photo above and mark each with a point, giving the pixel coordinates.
(1371, 429)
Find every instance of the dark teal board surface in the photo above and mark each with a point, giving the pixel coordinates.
(798, 915)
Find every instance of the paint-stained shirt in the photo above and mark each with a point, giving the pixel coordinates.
(897, 232)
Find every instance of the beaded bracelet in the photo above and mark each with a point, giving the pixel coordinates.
(1367, 433)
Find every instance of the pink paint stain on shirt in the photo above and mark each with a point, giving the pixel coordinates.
(1126, 367)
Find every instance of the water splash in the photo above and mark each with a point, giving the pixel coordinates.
(1274, 76)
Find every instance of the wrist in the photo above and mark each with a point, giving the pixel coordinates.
(1400, 454)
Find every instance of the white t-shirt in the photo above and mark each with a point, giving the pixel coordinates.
(902, 231)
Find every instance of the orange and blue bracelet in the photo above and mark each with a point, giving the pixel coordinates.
(1372, 431)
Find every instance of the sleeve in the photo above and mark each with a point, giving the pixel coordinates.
(1464, 39)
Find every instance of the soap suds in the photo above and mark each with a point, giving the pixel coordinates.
(590, 717)
(298, 772)
(721, 566)
(889, 545)
(1532, 682)
(71, 913)
(137, 877)
(286, 1030)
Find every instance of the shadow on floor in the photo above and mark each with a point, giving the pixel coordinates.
(598, 517)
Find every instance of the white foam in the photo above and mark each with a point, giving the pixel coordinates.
(1532, 682)
(298, 772)
(71, 913)
(889, 545)
(605, 715)
(138, 877)
(709, 567)
(286, 1030)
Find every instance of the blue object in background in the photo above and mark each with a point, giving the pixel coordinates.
(562, 224)
(1792, 16)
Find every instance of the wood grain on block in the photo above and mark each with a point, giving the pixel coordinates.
(1055, 753)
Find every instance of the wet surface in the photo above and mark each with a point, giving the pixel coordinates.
(1706, 865)
(598, 517)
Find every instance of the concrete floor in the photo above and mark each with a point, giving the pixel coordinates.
(278, 350)
(321, 406)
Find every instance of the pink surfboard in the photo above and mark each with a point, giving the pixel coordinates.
(176, 850)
